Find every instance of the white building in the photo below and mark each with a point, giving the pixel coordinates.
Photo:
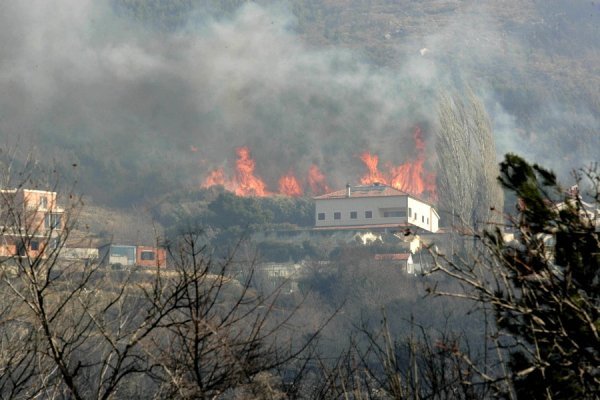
(374, 206)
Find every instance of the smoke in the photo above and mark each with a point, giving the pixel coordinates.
(85, 81)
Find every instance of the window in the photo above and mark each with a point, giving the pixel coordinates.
(422, 218)
(368, 214)
(353, 215)
(43, 202)
(21, 249)
(415, 216)
(52, 221)
(409, 212)
(147, 255)
(427, 220)
(321, 216)
(394, 214)
(337, 215)
(34, 245)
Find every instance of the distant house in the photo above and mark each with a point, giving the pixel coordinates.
(87, 254)
(30, 222)
(372, 207)
(147, 256)
(130, 256)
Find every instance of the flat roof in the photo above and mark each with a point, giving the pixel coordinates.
(375, 190)
(360, 227)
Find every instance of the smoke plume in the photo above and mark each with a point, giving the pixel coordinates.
(86, 82)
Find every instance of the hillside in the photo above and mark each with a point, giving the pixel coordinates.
(147, 97)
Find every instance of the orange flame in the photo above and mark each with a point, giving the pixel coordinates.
(246, 183)
(373, 175)
(317, 180)
(410, 177)
(289, 186)
(216, 177)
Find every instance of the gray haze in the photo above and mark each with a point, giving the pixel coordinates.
(84, 82)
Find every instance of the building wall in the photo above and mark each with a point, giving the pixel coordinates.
(422, 215)
(25, 222)
(124, 255)
(377, 205)
(32, 208)
(147, 256)
(413, 211)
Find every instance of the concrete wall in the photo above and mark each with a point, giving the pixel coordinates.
(147, 256)
(414, 212)
(422, 215)
(376, 205)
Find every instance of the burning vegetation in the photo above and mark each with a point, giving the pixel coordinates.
(411, 177)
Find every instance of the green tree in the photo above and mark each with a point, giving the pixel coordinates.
(543, 285)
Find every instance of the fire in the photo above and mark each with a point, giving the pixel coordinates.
(244, 182)
(289, 186)
(216, 177)
(317, 180)
(247, 184)
(373, 175)
(411, 177)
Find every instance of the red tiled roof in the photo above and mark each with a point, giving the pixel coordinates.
(392, 257)
(357, 227)
(379, 190)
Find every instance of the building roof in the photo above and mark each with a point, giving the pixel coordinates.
(393, 257)
(362, 227)
(375, 190)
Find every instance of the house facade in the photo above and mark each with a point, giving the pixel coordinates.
(374, 206)
(130, 256)
(30, 221)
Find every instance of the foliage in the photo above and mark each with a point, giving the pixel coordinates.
(543, 286)
(468, 190)
(193, 330)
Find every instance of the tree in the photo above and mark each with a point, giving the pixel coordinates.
(466, 154)
(543, 286)
(80, 330)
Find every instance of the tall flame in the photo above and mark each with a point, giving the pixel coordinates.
(289, 186)
(214, 178)
(244, 182)
(247, 184)
(317, 180)
(410, 177)
(373, 174)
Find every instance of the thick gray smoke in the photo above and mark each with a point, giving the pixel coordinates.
(83, 82)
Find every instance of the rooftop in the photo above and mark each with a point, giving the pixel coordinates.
(405, 227)
(392, 257)
(375, 190)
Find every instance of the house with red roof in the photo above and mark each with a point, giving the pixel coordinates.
(374, 207)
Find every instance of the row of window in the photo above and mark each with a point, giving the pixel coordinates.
(337, 215)
(414, 217)
(368, 215)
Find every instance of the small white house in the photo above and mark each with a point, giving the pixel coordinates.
(373, 206)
